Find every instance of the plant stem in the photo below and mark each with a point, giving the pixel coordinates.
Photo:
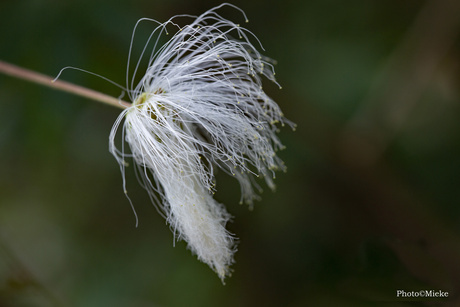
(35, 77)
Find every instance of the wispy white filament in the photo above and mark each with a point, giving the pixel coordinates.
(200, 105)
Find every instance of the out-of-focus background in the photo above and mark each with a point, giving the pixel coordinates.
(369, 205)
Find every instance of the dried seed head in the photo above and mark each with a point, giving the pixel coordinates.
(200, 105)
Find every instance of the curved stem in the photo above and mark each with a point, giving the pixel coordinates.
(32, 76)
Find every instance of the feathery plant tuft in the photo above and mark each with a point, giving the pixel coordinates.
(200, 105)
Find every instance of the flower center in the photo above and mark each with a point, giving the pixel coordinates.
(141, 100)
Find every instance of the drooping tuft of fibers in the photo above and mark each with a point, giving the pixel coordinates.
(200, 105)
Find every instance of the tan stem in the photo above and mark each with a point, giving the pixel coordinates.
(32, 76)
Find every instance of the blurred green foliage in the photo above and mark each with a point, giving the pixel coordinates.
(369, 204)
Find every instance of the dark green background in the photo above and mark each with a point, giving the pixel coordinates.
(369, 205)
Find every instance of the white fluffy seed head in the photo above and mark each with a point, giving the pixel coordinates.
(200, 105)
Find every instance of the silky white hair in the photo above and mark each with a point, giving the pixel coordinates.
(200, 106)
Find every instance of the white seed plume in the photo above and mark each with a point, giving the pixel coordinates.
(200, 105)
